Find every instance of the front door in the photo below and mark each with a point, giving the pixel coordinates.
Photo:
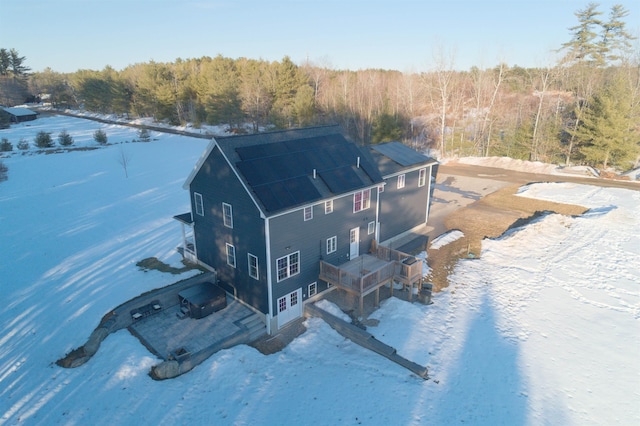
(354, 243)
(289, 307)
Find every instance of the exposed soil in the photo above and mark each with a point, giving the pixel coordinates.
(489, 217)
(153, 263)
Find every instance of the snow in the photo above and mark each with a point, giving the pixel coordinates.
(446, 238)
(542, 329)
(526, 166)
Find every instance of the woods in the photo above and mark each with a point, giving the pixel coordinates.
(584, 108)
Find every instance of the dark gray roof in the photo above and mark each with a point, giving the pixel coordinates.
(19, 111)
(289, 168)
(394, 157)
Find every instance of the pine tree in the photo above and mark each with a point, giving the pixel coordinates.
(584, 44)
(43, 140)
(608, 133)
(65, 139)
(100, 136)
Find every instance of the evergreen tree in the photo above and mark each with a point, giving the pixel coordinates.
(584, 45)
(65, 139)
(43, 140)
(4, 172)
(5, 145)
(608, 133)
(387, 127)
(615, 42)
(16, 64)
(5, 62)
(100, 136)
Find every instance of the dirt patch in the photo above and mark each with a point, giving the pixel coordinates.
(489, 217)
(271, 344)
(153, 263)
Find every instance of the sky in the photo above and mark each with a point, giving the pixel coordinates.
(405, 35)
(541, 329)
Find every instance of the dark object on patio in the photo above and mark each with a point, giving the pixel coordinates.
(203, 299)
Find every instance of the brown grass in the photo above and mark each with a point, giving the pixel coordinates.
(488, 217)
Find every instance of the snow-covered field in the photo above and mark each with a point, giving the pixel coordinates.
(542, 329)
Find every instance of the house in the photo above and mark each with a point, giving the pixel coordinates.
(282, 216)
(18, 114)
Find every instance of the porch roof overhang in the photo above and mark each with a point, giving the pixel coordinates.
(185, 218)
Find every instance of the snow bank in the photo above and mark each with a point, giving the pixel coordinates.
(446, 238)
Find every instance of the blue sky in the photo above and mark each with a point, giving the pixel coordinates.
(67, 35)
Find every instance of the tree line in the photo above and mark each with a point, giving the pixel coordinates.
(582, 109)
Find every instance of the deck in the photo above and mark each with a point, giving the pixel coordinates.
(367, 273)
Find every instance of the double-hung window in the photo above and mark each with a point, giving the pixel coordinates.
(197, 200)
(422, 177)
(231, 255)
(308, 213)
(361, 200)
(288, 266)
(332, 244)
(253, 266)
(371, 228)
(400, 181)
(328, 207)
(227, 215)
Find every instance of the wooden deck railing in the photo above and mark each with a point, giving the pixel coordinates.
(398, 267)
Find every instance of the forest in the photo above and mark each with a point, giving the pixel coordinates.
(582, 109)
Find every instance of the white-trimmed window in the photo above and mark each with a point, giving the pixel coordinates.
(422, 177)
(380, 189)
(332, 244)
(288, 266)
(400, 181)
(197, 199)
(231, 255)
(371, 228)
(227, 215)
(308, 213)
(313, 289)
(328, 207)
(361, 200)
(253, 266)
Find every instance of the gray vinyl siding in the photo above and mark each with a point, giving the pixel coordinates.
(405, 208)
(291, 233)
(217, 183)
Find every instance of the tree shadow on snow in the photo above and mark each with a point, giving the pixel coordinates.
(484, 385)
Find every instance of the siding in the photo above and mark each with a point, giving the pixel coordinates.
(217, 183)
(291, 233)
(405, 208)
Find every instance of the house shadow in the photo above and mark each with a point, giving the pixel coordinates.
(484, 384)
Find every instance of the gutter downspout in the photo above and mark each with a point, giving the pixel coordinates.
(267, 238)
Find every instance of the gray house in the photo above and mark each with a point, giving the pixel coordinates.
(284, 216)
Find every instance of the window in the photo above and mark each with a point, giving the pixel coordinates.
(361, 200)
(332, 244)
(371, 228)
(380, 189)
(288, 266)
(253, 266)
(231, 255)
(308, 213)
(328, 207)
(313, 289)
(197, 199)
(400, 181)
(422, 177)
(227, 215)
(282, 304)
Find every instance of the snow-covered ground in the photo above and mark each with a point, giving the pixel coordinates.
(526, 166)
(542, 329)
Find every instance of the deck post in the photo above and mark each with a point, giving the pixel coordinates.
(361, 305)
(377, 297)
